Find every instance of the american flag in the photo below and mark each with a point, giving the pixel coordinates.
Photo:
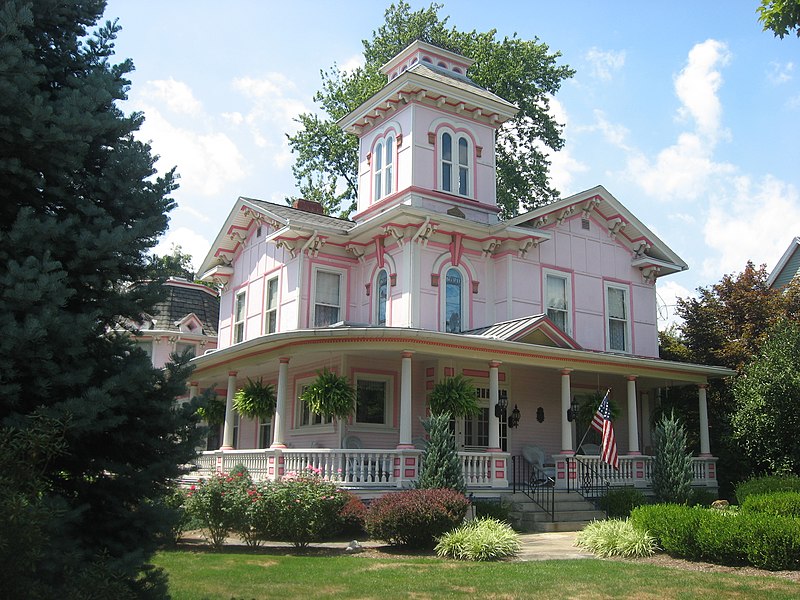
(602, 423)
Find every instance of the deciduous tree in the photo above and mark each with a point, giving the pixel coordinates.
(781, 16)
(524, 72)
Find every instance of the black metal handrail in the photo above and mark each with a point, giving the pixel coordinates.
(588, 482)
(535, 484)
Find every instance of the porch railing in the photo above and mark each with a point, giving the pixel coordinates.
(535, 484)
(352, 468)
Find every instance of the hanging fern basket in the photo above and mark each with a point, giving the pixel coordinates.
(255, 400)
(455, 396)
(330, 395)
(213, 412)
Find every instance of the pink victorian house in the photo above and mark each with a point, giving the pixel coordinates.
(426, 282)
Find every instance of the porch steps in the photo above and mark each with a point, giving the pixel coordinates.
(572, 513)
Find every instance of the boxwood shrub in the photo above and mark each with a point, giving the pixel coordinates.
(415, 518)
(779, 504)
(727, 537)
(767, 485)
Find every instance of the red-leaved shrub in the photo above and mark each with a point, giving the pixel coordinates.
(415, 518)
(352, 516)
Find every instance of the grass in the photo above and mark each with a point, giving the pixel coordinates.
(196, 575)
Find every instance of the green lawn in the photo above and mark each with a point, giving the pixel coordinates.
(244, 575)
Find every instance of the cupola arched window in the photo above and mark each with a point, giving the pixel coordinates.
(455, 163)
(381, 295)
(383, 168)
(453, 302)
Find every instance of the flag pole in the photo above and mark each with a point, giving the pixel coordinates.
(588, 429)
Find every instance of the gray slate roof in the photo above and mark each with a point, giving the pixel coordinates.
(181, 301)
(300, 217)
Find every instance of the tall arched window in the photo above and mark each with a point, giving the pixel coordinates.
(453, 309)
(381, 294)
(455, 163)
(383, 168)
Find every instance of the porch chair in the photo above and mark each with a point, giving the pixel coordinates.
(589, 450)
(535, 456)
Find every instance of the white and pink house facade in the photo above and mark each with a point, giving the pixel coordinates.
(426, 282)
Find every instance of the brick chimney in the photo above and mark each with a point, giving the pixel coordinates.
(308, 206)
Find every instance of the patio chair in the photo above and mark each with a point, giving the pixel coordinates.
(589, 450)
(535, 456)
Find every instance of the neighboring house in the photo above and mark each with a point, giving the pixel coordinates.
(788, 266)
(426, 282)
(186, 319)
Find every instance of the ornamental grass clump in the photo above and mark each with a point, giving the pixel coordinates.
(480, 539)
(616, 537)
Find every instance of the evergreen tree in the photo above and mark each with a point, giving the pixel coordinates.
(672, 464)
(441, 467)
(80, 208)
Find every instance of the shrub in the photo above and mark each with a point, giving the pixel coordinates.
(501, 511)
(701, 497)
(480, 539)
(175, 500)
(219, 504)
(352, 516)
(615, 537)
(440, 464)
(672, 464)
(779, 504)
(772, 542)
(619, 502)
(415, 518)
(767, 484)
(672, 526)
(305, 508)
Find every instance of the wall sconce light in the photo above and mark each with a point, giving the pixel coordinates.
(501, 408)
(540, 414)
(513, 419)
(572, 411)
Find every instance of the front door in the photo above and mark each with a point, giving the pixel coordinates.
(472, 433)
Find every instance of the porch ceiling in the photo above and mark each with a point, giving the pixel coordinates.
(256, 356)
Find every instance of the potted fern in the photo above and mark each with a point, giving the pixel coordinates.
(331, 396)
(212, 411)
(454, 396)
(255, 400)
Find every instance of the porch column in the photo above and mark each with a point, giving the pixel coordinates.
(194, 389)
(494, 395)
(227, 432)
(405, 401)
(279, 429)
(633, 421)
(566, 426)
(705, 444)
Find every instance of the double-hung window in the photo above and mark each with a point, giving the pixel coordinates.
(239, 313)
(264, 433)
(455, 163)
(327, 298)
(305, 417)
(383, 168)
(271, 307)
(372, 401)
(618, 319)
(557, 300)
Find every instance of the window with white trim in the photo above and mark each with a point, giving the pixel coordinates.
(373, 400)
(271, 307)
(453, 300)
(327, 298)
(235, 428)
(306, 418)
(455, 163)
(264, 430)
(381, 295)
(618, 326)
(383, 168)
(239, 312)
(557, 296)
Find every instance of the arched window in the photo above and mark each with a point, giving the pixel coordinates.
(383, 168)
(455, 159)
(453, 309)
(381, 294)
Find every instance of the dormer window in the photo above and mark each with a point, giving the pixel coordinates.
(383, 168)
(455, 162)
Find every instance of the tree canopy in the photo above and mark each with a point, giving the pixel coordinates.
(524, 72)
(81, 205)
(780, 16)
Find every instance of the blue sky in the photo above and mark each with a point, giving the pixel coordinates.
(685, 110)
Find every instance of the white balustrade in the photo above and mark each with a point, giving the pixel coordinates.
(637, 471)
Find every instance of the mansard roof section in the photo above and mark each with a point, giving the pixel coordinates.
(245, 212)
(534, 329)
(650, 253)
(188, 307)
(433, 86)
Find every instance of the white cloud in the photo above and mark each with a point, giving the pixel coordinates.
(778, 73)
(684, 218)
(605, 62)
(274, 99)
(697, 86)
(190, 242)
(562, 163)
(614, 133)
(753, 221)
(176, 95)
(352, 63)
(234, 118)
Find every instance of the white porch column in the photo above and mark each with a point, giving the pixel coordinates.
(633, 421)
(227, 432)
(405, 401)
(566, 426)
(494, 395)
(279, 427)
(705, 444)
(194, 389)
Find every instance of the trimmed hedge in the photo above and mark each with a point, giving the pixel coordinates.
(726, 537)
(778, 504)
(415, 518)
(767, 485)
